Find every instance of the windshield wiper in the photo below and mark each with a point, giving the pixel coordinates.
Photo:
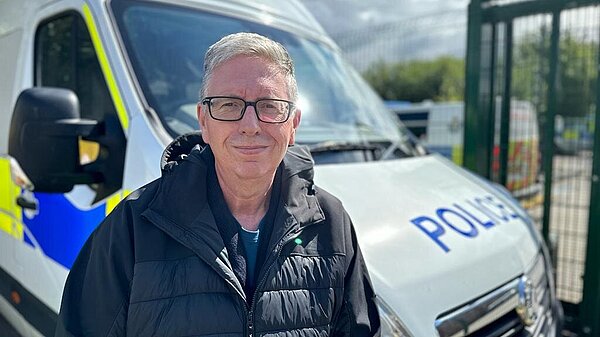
(407, 147)
(339, 146)
(379, 150)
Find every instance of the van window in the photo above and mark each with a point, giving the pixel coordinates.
(65, 58)
(166, 44)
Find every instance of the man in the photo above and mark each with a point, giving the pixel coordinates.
(234, 239)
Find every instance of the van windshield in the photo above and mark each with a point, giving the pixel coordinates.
(166, 45)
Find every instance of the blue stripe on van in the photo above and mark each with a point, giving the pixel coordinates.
(60, 228)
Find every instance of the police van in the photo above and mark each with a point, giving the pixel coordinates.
(93, 91)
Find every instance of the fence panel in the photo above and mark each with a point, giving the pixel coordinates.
(544, 62)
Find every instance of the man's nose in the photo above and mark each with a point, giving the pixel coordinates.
(249, 124)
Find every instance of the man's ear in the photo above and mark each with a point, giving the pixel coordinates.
(295, 124)
(201, 113)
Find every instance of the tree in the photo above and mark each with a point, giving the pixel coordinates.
(576, 73)
(441, 79)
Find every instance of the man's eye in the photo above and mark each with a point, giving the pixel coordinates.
(228, 104)
(270, 105)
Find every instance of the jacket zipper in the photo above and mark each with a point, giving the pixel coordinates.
(250, 323)
(250, 320)
(284, 241)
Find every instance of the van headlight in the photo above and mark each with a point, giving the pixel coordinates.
(391, 326)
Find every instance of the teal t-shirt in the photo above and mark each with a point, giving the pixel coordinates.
(250, 241)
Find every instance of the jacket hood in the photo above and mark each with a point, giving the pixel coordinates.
(179, 148)
(298, 160)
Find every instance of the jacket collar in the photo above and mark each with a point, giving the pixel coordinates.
(298, 189)
(182, 197)
(180, 207)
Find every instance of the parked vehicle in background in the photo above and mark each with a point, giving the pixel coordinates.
(573, 134)
(440, 127)
(94, 91)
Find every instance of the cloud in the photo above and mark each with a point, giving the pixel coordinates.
(393, 29)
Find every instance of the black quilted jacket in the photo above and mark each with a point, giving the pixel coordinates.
(157, 266)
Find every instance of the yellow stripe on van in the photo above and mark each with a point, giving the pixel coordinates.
(108, 75)
(114, 200)
(10, 213)
(457, 154)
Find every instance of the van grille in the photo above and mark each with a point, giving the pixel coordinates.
(520, 308)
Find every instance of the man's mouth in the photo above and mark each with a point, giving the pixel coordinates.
(250, 149)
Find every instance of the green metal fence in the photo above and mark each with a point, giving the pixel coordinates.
(544, 55)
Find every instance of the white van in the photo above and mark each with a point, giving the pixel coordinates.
(449, 253)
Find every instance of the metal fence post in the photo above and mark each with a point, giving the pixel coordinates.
(476, 155)
(505, 114)
(590, 305)
(491, 108)
(548, 123)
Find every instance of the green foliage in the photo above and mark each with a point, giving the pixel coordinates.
(577, 81)
(441, 79)
(576, 73)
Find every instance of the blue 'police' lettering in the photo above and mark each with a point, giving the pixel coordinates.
(484, 223)
(488, 204)
(471, 232)
(502, 209)
(490, 213)
(433, 234)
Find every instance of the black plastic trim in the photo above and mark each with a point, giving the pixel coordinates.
(38, 314)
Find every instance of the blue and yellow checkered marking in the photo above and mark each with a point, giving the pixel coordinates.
(10, 213)
(61, 229)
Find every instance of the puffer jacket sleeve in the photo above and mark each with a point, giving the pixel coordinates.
(96, 293)
(359, 316)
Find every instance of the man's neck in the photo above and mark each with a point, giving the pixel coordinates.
(248, 200)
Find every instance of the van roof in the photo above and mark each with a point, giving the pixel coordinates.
(289, 15)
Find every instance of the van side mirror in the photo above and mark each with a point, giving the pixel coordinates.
(44, 138)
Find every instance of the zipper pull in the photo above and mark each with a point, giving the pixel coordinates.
(250, 324)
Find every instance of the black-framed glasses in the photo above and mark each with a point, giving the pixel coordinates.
(268, 110)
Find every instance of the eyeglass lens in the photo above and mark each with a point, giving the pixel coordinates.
(231, 109)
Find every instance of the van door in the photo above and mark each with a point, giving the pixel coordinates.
(65, 56)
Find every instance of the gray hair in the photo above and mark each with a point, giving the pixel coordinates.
(249, 44)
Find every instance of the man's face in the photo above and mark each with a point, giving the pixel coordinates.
(247, 148)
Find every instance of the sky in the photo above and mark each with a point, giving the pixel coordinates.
(393, 29)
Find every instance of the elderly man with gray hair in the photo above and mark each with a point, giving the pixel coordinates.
(234, 239)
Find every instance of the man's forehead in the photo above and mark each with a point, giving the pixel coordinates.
(248, 75)
(248, 61)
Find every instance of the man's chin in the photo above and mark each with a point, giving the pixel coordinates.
(253, 170)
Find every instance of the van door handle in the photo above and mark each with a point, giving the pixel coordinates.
(27, 203)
